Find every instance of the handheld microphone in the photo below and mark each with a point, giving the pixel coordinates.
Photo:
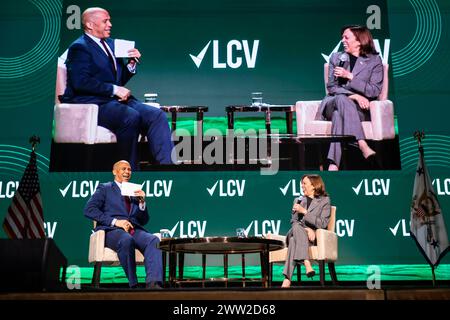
(343, 58)
(297, 201)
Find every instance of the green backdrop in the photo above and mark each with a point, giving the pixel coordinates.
(372, 206)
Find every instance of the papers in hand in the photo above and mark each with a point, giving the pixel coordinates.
(129, 188)
(121, 48)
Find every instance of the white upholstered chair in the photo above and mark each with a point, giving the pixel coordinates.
(101, 255)
(324, 251)
(380, 126)
(76, 123)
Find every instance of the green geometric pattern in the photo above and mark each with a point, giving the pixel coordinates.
(424, 42)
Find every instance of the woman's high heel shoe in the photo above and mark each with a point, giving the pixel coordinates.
(311, 274)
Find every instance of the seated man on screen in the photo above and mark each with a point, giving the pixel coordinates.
(95, 75)
(123, 218)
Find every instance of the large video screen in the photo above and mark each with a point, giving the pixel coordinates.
(224, 64)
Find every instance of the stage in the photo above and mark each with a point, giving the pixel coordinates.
(406, 290)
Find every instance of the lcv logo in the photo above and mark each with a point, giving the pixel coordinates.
(262, 228)
(442, 187)
(231, 55)
(7, 189)
(188, 229)
(295, 188)
(50, 228)
(86, 188)
(374, 187)
(402, 227)
(345, 227)
(230, 188)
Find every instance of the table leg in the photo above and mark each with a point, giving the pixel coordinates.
(199, 136)
(164, 263)
(174, 121)
(289, 120)
(243, 270)
(230, 116)
(181, 266)
(225, 269)
(203, 269)
(172, 266)
(264, 256)
(268, 121)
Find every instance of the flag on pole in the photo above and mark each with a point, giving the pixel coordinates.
(427, 222)
(25, 218)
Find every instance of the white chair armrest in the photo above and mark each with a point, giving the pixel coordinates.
(75, 123)
(305, 112)
(277, 255)
(96, 246)
(382, 119)
(327, 245)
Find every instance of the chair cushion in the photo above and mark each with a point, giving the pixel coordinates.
(77, 123)
(327, 246)
(99, 253)
(104, 136)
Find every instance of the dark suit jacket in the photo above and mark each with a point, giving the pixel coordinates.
(107, 203)
(90, 76)
(318, 215)
(367, 79)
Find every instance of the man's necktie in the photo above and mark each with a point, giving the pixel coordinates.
(128, 207)
(111, 59)
(127, 204)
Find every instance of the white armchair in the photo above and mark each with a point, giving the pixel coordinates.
(325, 250)
(101, 255)
(380, 127)
(76, 123)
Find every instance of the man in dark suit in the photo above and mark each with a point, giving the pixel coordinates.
(123, 218)
(95, 75)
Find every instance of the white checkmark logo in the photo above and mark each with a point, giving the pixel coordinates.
(199, 58)
(327, 57)
(64, 191)
(212, 189)
(286, 187)
(172, 231)
(394, 230)
(247, 230)
(358, 187)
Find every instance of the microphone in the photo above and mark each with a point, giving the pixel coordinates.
(343, 58)
(297, 201)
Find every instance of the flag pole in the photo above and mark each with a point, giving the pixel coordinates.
(34, 140)
(419, 136)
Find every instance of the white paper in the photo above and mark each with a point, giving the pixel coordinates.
(121, 48)
(129, 188)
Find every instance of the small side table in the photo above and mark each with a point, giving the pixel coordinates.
(198, 140)
(267, 109)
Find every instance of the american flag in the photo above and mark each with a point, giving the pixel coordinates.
(25, 218)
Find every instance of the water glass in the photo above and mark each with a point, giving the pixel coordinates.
(257, 98)
(240, 233)
(164, 233)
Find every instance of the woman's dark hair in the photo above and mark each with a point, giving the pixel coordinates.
(363, 35)
(317, 183)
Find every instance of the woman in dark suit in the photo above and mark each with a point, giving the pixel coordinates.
(355, 78)
(310, 212)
